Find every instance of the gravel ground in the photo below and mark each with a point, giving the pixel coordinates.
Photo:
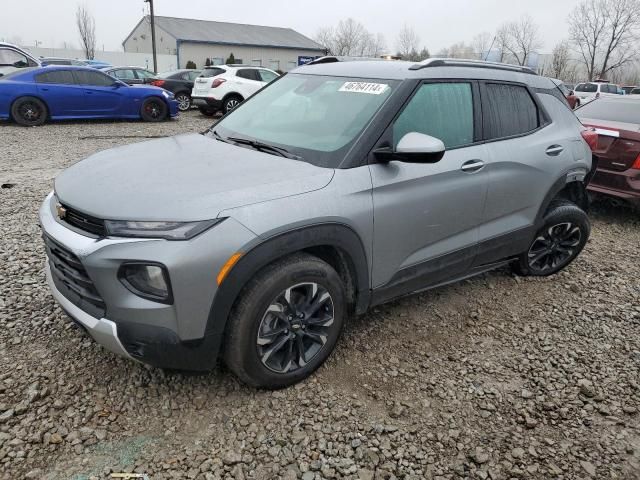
(496, 377)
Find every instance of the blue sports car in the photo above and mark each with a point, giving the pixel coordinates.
(30, 96)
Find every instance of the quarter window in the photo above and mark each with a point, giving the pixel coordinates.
(442, 110)
(508, 110)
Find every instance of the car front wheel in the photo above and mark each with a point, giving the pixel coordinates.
(558, 242)
(184, 101)
(286, 322)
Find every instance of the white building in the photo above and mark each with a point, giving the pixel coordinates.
(198, 40)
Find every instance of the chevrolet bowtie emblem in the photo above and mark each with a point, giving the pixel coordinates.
(62, 212)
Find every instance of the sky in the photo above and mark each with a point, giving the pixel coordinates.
(438, 24)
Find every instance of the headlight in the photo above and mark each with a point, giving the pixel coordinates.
(150, 281)
(166, 230)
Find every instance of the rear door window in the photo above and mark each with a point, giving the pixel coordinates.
(124, 74)
(60, 77)
(249, 74)
(95, 79)
(508, 110)
(442, 110)
(587, 87)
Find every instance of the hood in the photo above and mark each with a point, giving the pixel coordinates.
(182, 178)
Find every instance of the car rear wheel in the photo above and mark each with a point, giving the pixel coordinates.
(29, 111)
(231, 103)
(286, 322)
(153, 110)
(207, 112)
(184, 101)
(558, 242)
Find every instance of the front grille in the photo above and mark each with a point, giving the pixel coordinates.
(84, 222)
(71, 278)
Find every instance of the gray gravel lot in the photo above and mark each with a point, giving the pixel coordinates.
(496, 377)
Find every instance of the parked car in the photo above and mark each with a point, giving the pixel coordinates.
(13, 58)
(130, 75)
(628, 89)
(635, 91)
(34, 95)
(569, 95)
(617, 123)
(337, 188)
(61, 61)
(97, 63)
(224, 87)
(589, 91)
(180, 82)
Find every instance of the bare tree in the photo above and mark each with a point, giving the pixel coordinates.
(87, 29)
(407, 41)
(481, 44)
(604, 32)
(560, 60)
(523, 39)
(350, 38)
(503, 41)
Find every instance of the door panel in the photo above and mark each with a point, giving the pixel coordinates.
(101, 97)
(63, 97)
(426, 211)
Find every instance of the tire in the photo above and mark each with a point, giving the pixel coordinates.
(251, 349)
(207, 112)
(154, 110)
(184, 101)
(563, 235)
(231, 102)
(29, 111)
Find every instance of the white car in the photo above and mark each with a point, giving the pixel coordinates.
(13, 57)
(589, 91)
(224, 87)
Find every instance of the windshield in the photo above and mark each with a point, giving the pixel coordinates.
(314, 117)
(587, 87)
(626, 111)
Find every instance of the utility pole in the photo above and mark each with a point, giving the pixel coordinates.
(153, 35)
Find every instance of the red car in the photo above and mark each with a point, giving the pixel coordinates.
(617, 123)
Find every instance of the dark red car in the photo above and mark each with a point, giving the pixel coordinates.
(617, 123)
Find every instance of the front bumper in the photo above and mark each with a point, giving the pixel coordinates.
(180, 335)
(207, 102)
(103, 331)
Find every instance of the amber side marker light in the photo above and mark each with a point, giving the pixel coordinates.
(226, 268)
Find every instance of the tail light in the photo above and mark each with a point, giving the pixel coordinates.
(158, 83)
(591, 137)
(636, 164)
(217, 82)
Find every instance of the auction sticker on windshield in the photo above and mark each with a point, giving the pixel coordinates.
(364, 87)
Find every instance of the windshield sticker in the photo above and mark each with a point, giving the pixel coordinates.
(363, 87)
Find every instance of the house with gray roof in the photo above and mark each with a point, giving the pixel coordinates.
(198, 40)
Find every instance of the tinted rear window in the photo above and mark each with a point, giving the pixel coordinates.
(211, 72)
(509, 111)
(626, 111)
(64, 77)
(587, 87)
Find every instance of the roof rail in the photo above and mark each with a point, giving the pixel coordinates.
(457, 62)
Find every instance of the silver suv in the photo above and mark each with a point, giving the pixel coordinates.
(338, 187)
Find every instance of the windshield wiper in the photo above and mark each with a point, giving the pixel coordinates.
(219, 137)
(264, 147)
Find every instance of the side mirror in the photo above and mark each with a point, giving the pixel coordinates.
(118, 84)
(414, 147)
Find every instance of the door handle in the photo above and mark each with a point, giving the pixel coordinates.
(472, 166)
(554, 150)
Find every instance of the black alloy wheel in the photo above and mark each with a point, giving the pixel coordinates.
(295, 327)
(554, 247)
(154, 110)
(29, 111)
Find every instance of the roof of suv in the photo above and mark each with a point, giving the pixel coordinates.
(432, 68)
